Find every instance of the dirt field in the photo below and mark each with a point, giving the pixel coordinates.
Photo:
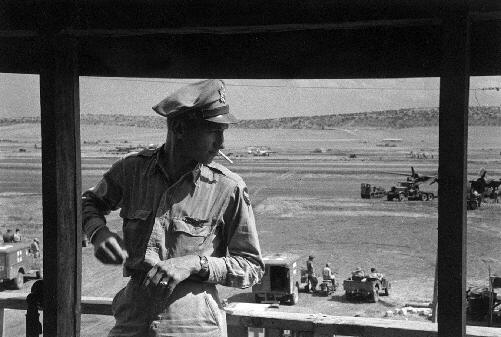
(306, 199)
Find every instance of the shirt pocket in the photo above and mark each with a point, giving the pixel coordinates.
(189, 236)
(136, 232)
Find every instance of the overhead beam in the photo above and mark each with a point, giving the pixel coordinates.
(453, 136)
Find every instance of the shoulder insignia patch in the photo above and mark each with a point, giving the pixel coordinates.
(246, 196)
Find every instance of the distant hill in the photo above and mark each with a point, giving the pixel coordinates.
(402, 118)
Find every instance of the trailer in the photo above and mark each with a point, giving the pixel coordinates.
(367, 191)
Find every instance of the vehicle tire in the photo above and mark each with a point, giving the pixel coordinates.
(374, 296)
(424, 197)
(400, 197)
(18, 282)
(295, 296)
(431, 196)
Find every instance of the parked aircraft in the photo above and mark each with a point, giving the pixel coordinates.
(259, 150)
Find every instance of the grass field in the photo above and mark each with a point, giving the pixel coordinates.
(306, 199)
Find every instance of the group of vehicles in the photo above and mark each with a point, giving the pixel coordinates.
(477, 190)
(283, 280)
(405, 190)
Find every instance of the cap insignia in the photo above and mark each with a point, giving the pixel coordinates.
(222, 95)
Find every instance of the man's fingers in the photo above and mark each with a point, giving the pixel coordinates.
(110, 252)
(149, 275)
(157, 277)
(167, 286)
(114, 246)
(105, 255)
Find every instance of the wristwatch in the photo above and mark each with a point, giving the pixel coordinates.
(204, 266)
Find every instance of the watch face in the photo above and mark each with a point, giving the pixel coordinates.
(204, 263)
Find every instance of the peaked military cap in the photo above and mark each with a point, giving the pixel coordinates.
(200, 100)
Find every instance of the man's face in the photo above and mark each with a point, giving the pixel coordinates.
(202, 140)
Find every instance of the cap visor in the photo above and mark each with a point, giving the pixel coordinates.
(159, 110)
(223, 119)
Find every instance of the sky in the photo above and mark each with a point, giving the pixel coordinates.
(248, 98)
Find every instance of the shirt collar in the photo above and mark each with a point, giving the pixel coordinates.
(159, 166)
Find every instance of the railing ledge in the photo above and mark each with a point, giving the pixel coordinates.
(263, 316)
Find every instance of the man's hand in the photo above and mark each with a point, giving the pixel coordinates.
(166, 275)
(108, 247)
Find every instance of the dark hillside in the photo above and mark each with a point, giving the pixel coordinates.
(403, 118)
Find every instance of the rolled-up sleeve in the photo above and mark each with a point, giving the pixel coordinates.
(243, 265)
(101, 199)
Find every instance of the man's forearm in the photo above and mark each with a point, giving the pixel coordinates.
(234, 271)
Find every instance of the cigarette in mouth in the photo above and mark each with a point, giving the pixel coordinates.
(225, 157)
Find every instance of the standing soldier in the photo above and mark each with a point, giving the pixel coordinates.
(312, 279)
(35, 248)
(188, 223)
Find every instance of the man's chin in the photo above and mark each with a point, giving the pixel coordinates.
(208, 159)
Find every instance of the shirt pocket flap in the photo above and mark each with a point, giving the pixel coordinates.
(179, 225)
(138, 214)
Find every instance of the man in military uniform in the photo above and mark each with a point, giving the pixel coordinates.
(375, 274)
(312, 278)
(358, 274)
(35, 248)
(327, 274)
(8, 236)
(188, 223)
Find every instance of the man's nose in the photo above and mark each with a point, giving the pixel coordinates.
(220, 141)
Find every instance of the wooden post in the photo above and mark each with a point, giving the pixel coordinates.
(434, 302)
(2, 322)
(453, 135)
(491, 299)
(61, 186)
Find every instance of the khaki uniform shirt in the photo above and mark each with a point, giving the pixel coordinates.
(206, 212)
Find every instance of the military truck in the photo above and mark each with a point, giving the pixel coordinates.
(366, 287)
(367, 191)
(16, 262)
(408, 190)
(280, 282)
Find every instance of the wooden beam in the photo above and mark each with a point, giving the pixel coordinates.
(242, 315)
(238, 30)
(453, 136)
(61, 186)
